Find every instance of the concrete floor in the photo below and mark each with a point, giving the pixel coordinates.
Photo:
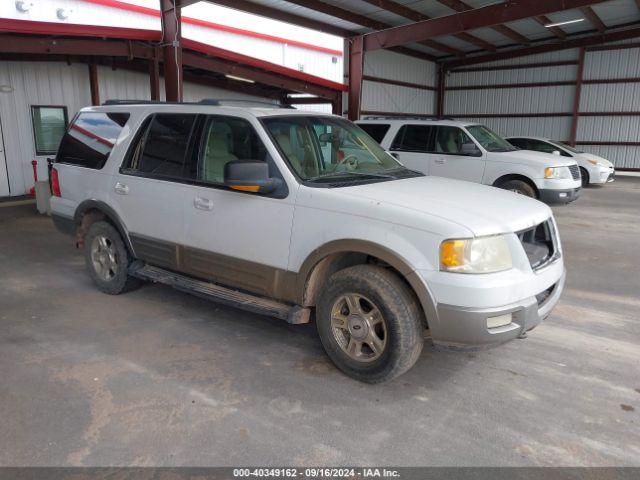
(158, 377)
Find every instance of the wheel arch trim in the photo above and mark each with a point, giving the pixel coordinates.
(365, 247)
(110, 213)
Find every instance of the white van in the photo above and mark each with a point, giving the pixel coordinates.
(472, 152)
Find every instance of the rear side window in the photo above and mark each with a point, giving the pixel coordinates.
(414, 138)
(377, 131)
(521, 143)
(164, 148)
(90, 139)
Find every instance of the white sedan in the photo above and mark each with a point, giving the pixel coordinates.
(594, 169)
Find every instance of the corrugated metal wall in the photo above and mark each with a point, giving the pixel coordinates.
(56, 83)
(32, 83)
(515, 103)
(534, 100)
(384, 97)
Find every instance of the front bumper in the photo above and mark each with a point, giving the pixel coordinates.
(601, 175)
(463, 327)
(562, 196)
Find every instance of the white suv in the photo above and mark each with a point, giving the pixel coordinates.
(472, 152)
(288, 213)
(593, 169)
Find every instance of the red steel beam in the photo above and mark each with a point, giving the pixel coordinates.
(154, 76)
(442, 87)
(550, 47)
(72, 46)
(593, 18)
(94, 87)
(415, 16)
(460, 6)
(388, 81)
(517, 66)
(171, 50)
(266, 78)
(576, 98)
(488, 16)
(356, 67)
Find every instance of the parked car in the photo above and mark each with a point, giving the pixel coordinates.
(472, 152)
(593, 169)
(262, 208)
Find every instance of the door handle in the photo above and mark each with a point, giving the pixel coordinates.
(203, 203)
(441, 161)
(121, 188)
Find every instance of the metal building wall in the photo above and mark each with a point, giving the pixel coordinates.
(539, 100)
(611, 99)
(413, 91)
(511, 105)
(58, 84)
(34, 83)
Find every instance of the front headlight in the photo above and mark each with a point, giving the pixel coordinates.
(557, 172)
(475, 255)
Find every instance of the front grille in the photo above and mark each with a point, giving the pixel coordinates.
(540, 244)
(575, 171)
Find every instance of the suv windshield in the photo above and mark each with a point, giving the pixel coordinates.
(565, 146)
(490, 141)
(328, 149)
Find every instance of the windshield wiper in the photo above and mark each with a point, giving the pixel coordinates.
(349, 174)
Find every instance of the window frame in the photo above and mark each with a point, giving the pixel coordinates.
(458, 154)
(196, 143)
(40, 153)
(403, 129)
(140, 136)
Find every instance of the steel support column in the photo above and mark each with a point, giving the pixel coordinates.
(336, 104)
(172, 49)
(576, 99)
(154, 76)
(442, 80)
(356, 66)
(93, 84)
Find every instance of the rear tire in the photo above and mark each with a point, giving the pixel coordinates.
(585, 177)
(107, 259)
(520, 187)
(370, 323)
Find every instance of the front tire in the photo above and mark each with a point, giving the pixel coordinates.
(107, 259)
(520, 187)
(584, 175)
(370, 323)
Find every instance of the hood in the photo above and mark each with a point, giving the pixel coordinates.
(479, 208)
(529, 157)
(589, 156)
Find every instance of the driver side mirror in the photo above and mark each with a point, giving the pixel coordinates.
(325, 138)
(250, 176)
(556, 152)
(470, 150)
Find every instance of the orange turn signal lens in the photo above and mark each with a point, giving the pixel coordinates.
(246, 188)
(452, 253)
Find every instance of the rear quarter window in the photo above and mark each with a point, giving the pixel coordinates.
(377, 131)
(90, 139)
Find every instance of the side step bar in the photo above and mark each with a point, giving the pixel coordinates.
(291, 313)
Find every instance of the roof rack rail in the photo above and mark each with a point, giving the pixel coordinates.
(204, 101)
(222, 101)
(403, 117)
